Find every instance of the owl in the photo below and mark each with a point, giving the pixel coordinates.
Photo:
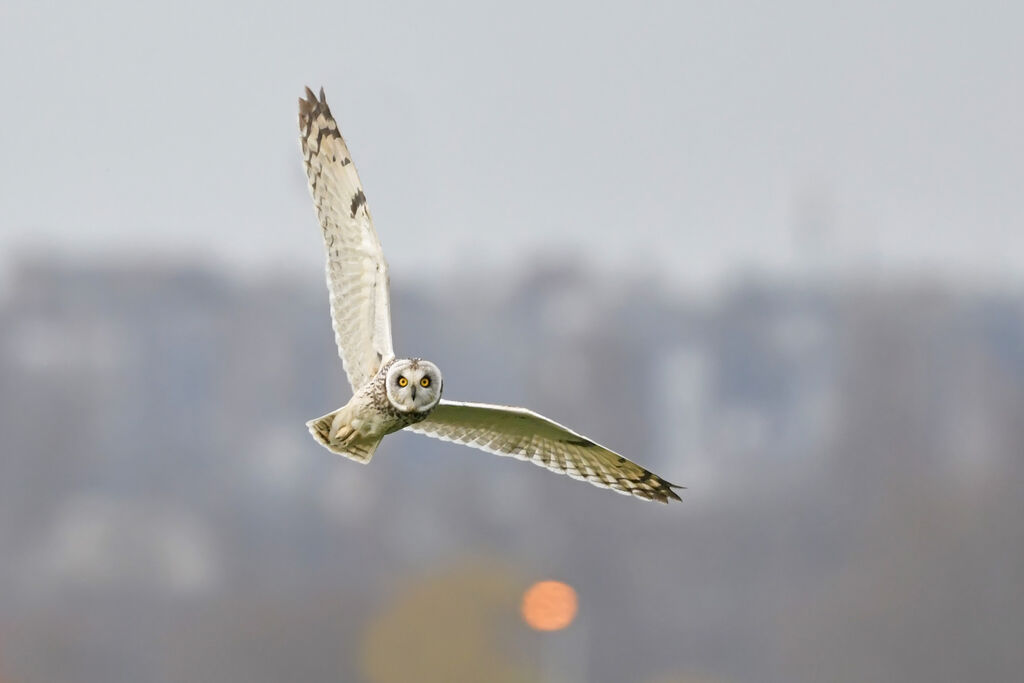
(390, 393)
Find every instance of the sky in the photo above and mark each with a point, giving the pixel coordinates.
(690, 140)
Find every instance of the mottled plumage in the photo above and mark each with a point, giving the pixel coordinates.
(357, 274)
(394, 393)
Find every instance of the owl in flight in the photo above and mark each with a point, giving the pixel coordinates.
(392, 393)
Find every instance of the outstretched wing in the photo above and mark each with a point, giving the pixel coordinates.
(526, 435)
(357, 275)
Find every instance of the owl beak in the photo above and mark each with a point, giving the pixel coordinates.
(414, 393)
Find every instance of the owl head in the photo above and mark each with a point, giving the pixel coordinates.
(413, 385)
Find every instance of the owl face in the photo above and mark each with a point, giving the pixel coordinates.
(414, 385)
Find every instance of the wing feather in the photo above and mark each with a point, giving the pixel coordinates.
(525, 435)
(357, 274)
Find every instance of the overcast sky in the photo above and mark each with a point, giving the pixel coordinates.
(695, 137)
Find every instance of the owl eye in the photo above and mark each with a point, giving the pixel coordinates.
(425, 382)
(402, 382)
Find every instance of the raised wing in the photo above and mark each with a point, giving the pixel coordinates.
(357, 275)
(525, 435)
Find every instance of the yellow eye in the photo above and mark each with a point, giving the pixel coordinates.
(425, 382)
(402, 382)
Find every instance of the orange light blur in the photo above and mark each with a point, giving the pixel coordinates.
(549, 605)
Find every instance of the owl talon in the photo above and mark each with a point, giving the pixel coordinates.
(342, 434)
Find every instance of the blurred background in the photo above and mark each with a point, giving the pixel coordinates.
(771, 251)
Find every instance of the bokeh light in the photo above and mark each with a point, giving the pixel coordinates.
(549, 605)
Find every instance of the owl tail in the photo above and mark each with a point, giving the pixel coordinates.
(358, 449)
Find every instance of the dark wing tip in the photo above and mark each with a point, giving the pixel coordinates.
(310, 105)
(661, 490)
(306, 105)
(672, 495)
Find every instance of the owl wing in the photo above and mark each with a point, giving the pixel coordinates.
(357, 275)
(525, 435)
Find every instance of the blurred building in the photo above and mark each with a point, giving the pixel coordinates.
(852, 452)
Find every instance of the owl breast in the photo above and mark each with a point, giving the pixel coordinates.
(379, 419)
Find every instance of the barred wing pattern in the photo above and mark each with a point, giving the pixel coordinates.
(357, 274)
(525, 435)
